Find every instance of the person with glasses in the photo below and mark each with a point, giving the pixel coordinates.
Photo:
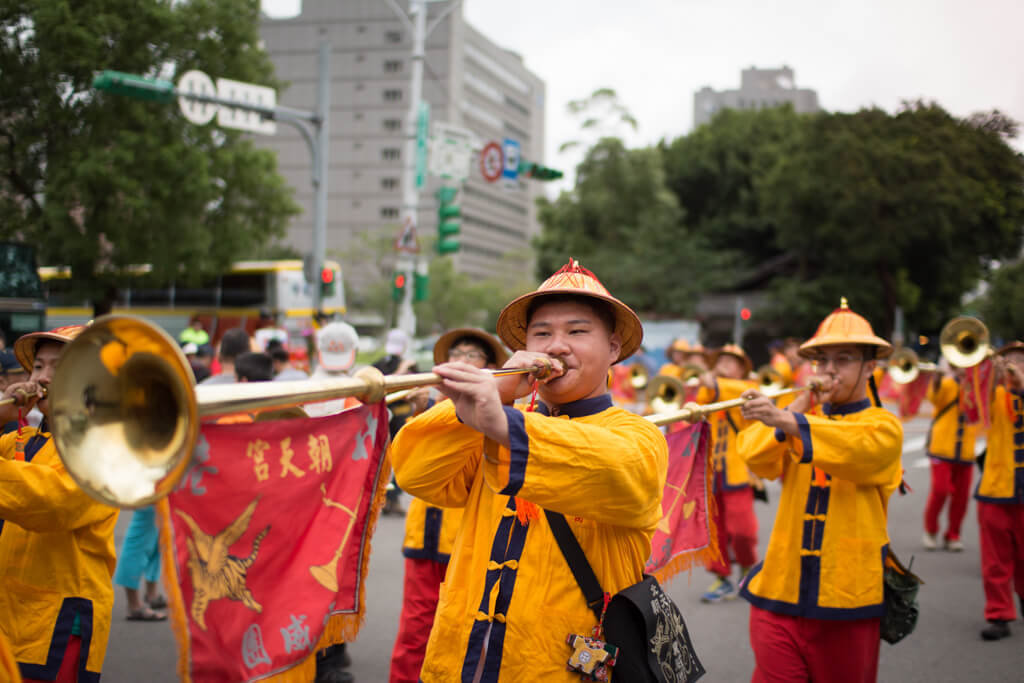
(429, 529)
(817, 597)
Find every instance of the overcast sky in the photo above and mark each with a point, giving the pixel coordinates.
(965, 55)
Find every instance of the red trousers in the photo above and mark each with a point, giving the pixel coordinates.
(737, 529)
(423, 580)
(950, 481)
(69, 665)
(1002, 557)
(797, 649)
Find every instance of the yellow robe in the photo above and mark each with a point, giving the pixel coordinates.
(509, 599)
(826, 553)
(56, 559)
(430, 531)
(949, 437)
(1002, 481)
(725, 428)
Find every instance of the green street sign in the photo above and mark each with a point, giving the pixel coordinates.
(132, 85)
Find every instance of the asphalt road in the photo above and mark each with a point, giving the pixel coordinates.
(945, 646)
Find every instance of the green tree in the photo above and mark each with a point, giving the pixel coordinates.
(903, 210)
(98, 181)
(1002, 306)
(622, 222)
(601, 115)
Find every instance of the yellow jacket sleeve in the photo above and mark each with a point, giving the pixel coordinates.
(765, 453)
(611, 472)
(43, 498)
(853, 451)
(436, 457)
(941, 392)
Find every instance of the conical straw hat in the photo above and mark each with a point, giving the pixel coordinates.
(843, 326)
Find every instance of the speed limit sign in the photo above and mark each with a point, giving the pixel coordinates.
(492, 161)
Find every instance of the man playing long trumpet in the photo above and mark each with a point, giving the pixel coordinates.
(817, 598)
(733, 491)
(1000, 497)
(950, 449)
(510, 600)
(56, 542)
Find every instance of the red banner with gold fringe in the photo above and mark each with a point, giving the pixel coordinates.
(976, 393)
(686, 532)
(266, 543)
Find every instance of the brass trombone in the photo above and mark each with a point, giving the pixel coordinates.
(126, 414)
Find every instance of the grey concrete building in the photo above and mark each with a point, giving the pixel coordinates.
(759, 88)
(468, 80)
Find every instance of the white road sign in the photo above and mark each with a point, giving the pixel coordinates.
(451, 151)
(247, 93)
(199, 113)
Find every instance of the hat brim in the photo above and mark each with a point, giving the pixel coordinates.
(884, 348)
(25, 346)
(444, 343)
(512, 321)
(1012, 346)
(337, 362)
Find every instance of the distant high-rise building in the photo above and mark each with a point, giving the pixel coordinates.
(467, 79)
(759, 89)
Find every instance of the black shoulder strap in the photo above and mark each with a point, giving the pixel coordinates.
(735, 429)
(946, 408)
(577, 561)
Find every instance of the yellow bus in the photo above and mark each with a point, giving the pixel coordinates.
(233, 299)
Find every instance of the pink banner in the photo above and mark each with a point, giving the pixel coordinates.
(976, 393)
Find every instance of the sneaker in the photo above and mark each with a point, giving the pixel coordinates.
(996, 630)
(930, 541)
(954, 545)
(721, 589)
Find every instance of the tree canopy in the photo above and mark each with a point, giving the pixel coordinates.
(98, 181)
(902, 210)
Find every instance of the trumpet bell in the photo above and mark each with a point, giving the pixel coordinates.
(638, 376)
(964, 341)
(769, 379)
(665, 393)
(903, 366)
(123, 412)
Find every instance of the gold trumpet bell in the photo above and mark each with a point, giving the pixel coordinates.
(903, 366)
(638, 376)
(769, 379)
(124, 419)
(964, 341)
(665, 394)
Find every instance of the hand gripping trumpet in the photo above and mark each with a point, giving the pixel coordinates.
(691, 412)
(126, 414)
(23, 396)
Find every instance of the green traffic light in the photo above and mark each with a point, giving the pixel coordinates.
(132, 85)
(447, 246)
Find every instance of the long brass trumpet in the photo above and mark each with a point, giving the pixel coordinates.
(22, 395)
(694, 411)
(905, 367)
(126, 414)
(964, 341)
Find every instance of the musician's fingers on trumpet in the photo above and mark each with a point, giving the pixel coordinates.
(546, 368)
(760, 407)
(19, 396)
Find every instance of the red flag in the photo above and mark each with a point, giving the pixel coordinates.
(913, 394)
(976, 393)
(266, 543)
(888, 390)
(685, 532)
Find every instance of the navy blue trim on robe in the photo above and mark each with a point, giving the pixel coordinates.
(581, 408)
(69, 609)
(519, 452)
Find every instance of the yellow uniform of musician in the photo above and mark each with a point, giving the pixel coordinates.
(1002, 480)
(56, 544)
(509, 600)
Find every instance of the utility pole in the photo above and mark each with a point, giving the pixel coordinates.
(410, 192)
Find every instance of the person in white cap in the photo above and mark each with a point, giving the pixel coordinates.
(336, 343)
(395, 347)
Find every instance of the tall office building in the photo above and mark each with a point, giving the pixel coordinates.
(468, 80)
(759, 89)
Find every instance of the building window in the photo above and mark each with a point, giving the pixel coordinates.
(388, 183)
(360, 29)
(392, 124)
(359, 86)
(392, 95)
(393, 66)
(388, 212)
(357, 145)
(390, 154)
(360, 58)
(359, 116)
(393, 36)
(512, 104)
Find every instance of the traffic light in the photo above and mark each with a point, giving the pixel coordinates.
(448, 213)
(326, 281)
(421, 282)
(398, 286)
(745, 314)
(538, 172)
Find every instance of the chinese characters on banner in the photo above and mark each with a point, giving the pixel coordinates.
(685, 533)
(269, 549)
